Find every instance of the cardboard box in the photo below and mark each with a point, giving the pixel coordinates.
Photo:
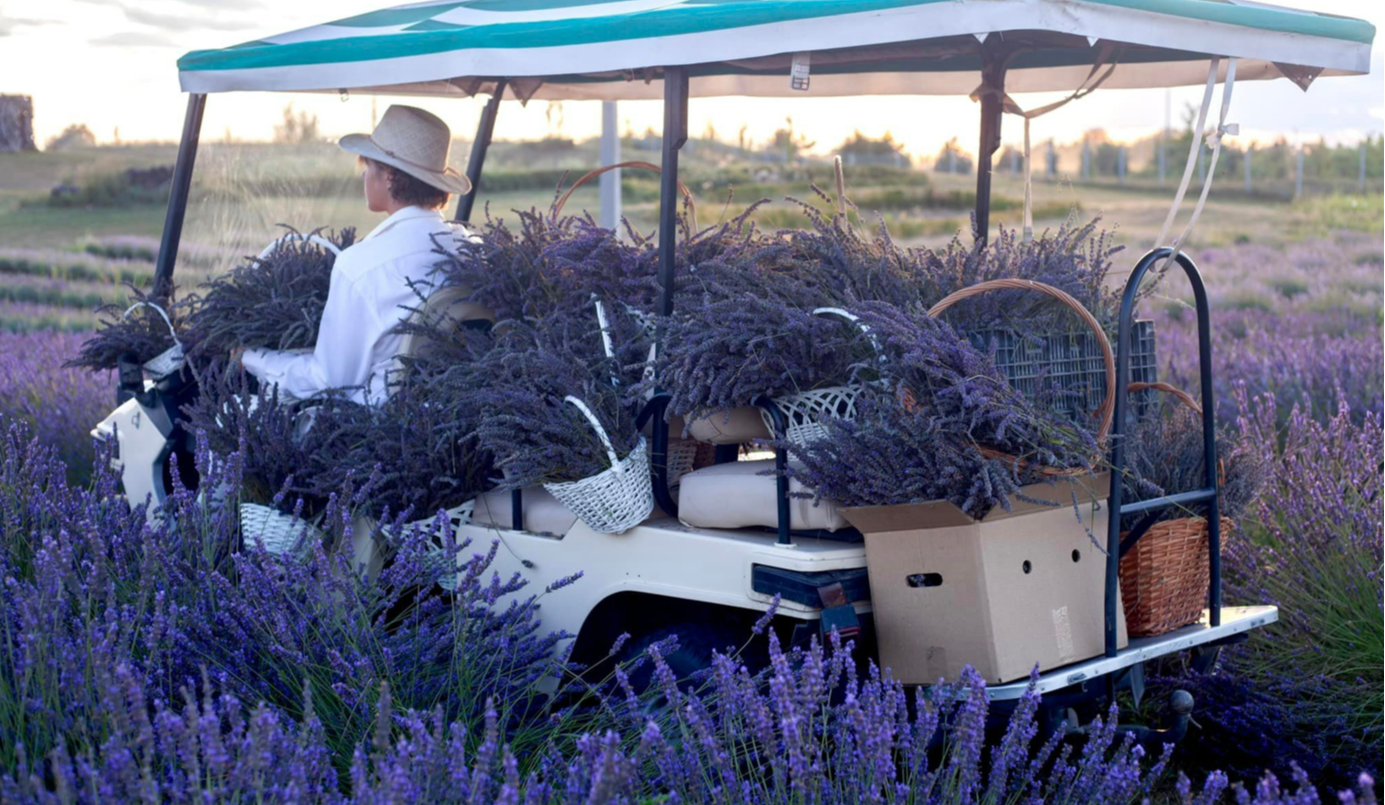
(1000, 593)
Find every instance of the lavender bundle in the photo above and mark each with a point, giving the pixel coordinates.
(533, 434)
(923, 440)
(274, 302)
(727, 352)
(1075, 259)
(1164, 456)
(418, 453)
(269, 436)
(855, 267)
(142, 335)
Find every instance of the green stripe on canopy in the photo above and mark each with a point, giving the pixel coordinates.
(435, 47)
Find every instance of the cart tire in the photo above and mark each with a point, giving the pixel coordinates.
(696, 642)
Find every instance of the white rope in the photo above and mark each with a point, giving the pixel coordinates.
(1214, 139)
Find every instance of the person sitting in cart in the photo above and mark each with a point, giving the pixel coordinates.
(404, 165)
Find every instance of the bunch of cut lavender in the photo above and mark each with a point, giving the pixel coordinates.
(859, 266)
(505, 271)
(143, 334)
(274, 302)
(269, 436)
(535, 436)
(727, 352)
(923, 440)
(419, 448)
(1164, 456)
(1075, 259)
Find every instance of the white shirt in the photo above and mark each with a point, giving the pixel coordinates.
(375, 283)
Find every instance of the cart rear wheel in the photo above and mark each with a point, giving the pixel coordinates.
(696, 641)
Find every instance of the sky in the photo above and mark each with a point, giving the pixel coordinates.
(116, 74)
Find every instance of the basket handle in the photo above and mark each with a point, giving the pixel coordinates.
(692, 205)
(854, 319)
(1108, 405)
(162, 314)
(600, 432)
(605, 335)
(1181, 395)
(314, 239)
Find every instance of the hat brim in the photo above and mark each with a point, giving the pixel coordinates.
(448, 180)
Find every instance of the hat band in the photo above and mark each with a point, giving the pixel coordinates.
(406, 160)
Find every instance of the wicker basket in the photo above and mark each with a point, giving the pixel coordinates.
(277, 533)
(436, 557)
(617, 498)
(807, 412)
(1165, 576)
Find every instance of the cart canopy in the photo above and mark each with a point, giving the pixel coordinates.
(614, 49)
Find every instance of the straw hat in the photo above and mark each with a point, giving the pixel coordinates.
(414, 141)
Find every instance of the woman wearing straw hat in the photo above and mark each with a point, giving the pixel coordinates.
(404, 165)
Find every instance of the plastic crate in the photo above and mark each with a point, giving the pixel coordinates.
(1064, 372)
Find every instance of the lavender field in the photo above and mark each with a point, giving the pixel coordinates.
(149, 662)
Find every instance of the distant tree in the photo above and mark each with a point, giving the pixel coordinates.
(73, 137)
(858, 149)
(790, 143)
(296, 128)
(952, 159)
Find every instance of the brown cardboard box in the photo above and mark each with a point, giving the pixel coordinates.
(1000, 593)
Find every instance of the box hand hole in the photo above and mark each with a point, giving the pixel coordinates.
(924, 579)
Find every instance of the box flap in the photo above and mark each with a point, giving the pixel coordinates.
(905, 517)
(941, 513)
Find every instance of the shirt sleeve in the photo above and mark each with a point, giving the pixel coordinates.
(342, 356)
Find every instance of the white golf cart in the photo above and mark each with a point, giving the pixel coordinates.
(679, 572)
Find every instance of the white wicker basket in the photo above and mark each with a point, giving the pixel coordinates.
(616, 499)
(168, 361)
(278, 533)
(807, 412)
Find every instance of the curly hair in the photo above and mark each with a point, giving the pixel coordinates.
(409, 190)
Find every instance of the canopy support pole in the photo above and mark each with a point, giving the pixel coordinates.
(674, 137)
(479, 146)
(992, 110)
(178, 197)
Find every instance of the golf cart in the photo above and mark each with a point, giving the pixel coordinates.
(674, 574)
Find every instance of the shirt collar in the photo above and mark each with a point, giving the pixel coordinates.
(404, 214)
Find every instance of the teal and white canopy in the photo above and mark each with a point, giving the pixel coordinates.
(613, 49)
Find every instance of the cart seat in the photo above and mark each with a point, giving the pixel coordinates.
(446, 304)
(741, 494)
(543, 513)
(740, 425)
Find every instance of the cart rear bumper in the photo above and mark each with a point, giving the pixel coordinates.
(1234, 620)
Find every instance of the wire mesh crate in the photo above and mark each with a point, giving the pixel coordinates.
(1064, 372)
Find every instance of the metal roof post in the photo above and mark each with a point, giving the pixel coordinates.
(479, 146)
(992, 110)
(674, 136)
(178, 197)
